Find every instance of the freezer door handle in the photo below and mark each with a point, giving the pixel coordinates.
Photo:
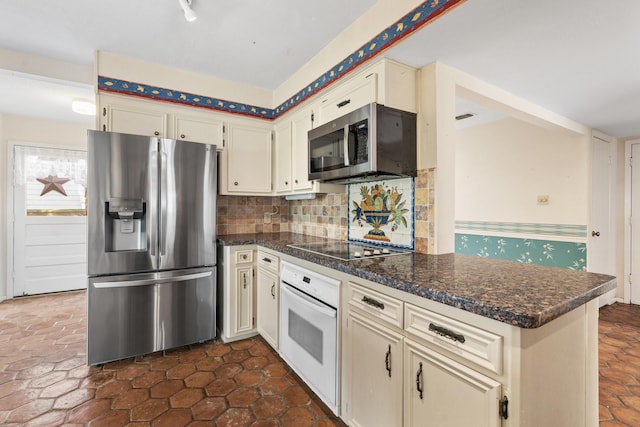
(152, 281)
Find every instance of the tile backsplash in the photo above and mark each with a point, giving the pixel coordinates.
(325, 216)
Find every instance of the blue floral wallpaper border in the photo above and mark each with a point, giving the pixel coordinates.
(570, 255)
(412, 21)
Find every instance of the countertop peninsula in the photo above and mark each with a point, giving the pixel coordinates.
(523, 295)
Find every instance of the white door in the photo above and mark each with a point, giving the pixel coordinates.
(601, 249)
(48, 241)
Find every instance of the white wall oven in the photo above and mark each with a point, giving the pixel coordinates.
(309, 329)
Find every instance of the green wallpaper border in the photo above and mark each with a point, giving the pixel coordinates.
(552, 253)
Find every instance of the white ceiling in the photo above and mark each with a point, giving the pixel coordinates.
(578, 58)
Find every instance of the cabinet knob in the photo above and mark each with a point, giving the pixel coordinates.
(156, 133)
(286, 183)
(182, 136)
(296, 181)
(244, 256)
(235, 183)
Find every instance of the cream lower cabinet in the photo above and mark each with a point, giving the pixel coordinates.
(268, 295)
(442, 393)
(395, 380)
(374, 366)
(237, 293)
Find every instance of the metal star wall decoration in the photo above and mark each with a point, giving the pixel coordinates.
(53, 183)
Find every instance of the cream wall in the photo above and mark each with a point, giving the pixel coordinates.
(363, 29)
(439, 86)
(501, 167)
(25, 129)
(134, 70)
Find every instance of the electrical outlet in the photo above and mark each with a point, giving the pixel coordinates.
(267, 218)
(543, 199)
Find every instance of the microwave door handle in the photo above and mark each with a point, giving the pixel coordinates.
(346, 145)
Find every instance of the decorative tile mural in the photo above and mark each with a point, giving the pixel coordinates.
(571, 255)
(410, 22)
(382, 212)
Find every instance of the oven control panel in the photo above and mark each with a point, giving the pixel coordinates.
(317, 285)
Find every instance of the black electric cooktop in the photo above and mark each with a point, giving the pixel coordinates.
(348, 251)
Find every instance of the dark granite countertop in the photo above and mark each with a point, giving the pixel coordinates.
(523, 295)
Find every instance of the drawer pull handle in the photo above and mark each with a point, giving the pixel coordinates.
(244, 280)
(372, 302)
(387, 361)
(444, 332)
(419, 386)
(343, 103)
(266, 260)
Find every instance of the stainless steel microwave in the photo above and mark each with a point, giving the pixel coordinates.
(371, 143)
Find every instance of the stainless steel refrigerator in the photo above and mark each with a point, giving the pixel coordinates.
(152, 244)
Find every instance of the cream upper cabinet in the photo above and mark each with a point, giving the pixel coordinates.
(282, 158)
(440, 392)
(386, 82)
(120, 114)
(245, 164)
(301, 123)
(133, 119)
(195, 129)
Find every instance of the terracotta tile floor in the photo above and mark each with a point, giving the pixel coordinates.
(619, 349)
(44, 380)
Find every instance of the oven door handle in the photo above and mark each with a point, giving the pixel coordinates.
(308, 301)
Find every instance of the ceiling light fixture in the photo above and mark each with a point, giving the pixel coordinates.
(83, 106)
(189, 14)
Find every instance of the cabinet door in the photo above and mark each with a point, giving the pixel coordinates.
(129, 119)
(300, 125)
(267, 311)
(248, 159)
(442, 393)
(374, 372)
(282, 158)
(244, 299)
(197, 130)
(360, 91)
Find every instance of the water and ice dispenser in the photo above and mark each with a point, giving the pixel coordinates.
(125, 225)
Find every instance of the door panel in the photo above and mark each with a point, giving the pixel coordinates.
(121, 167)
(188, 219)
(442, 393)
(48, 250)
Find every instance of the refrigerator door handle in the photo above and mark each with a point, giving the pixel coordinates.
(153, 193)
(153, 281)
(163, 203)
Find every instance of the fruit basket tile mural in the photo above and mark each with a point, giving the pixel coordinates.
(382, 212)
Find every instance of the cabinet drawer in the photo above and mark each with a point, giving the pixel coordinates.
(473, 344)
(350, 97)
(269, 262)
(244, 256)
(382, 307)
